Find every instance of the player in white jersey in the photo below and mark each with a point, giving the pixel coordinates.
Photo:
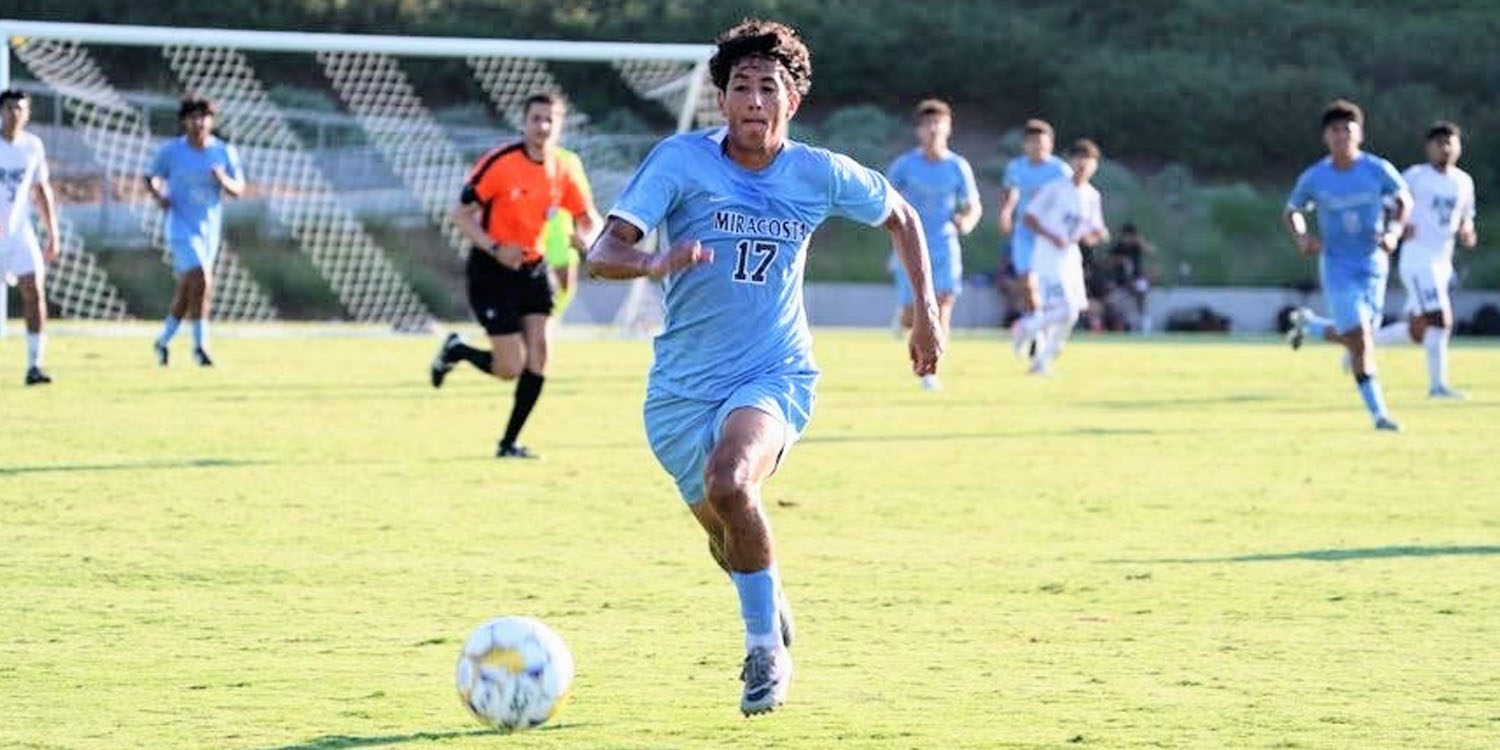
(23, 180)
(1065, 211)
(1443, 210)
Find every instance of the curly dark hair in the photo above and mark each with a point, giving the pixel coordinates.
(772, 40)
(1342, 110)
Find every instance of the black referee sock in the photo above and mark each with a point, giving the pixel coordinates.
(528, 390)
(480, 358)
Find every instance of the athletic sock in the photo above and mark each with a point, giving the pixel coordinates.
(1395, 333)
(1435, 341)
(200, 333)
(36, 348)
(757, 592)
(481, 359)
(528, 390)
(1369, 390)
(169, 330)
(1317, 325)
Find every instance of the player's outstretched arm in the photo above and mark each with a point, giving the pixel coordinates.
(1296, 223)
(1008, 201)
(926, 345)
(614, 255)
(155, 186)
(234, 186)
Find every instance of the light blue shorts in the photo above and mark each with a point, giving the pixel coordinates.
(185, 258)
(947, 275)
(683, 431)
(1022, 247)
(1354, 299)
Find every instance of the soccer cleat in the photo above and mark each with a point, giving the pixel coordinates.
(440, 364)
(1445, 393)
(931, 383)
(767, 674)
(162, 353)
(1020, 340)
(1298, 332)
(1387, 424)
(200, 355)
(1039, 367)
(511, 450)
(35, 376)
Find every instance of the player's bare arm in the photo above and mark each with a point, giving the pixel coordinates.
(585, 229)
(46, 206)
(967, 217)
(1296, 223)
(615, 256)
(1008, 201)
(156, 186)
(926, 345)
(466, 216)
(234, 188)
(1468, 236)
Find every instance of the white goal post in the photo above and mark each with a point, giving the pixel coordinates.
(301, 187)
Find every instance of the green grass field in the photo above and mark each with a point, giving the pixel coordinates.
(1172, 543)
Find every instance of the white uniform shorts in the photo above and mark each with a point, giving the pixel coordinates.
(20, 255)
(1426, 284)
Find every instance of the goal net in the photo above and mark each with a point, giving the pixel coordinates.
(355, 148)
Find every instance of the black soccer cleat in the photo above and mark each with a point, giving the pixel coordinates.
(35, 376)
(162, 353)
(440, 366)
(200, 355)
(511, 450)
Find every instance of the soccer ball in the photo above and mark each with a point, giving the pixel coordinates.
(514, 673)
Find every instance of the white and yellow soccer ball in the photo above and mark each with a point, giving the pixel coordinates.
(514, 673)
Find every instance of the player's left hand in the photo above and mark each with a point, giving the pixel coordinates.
(926, 344)
(1389, 240)
(220, 176)
(1468, 237)
(50, 252)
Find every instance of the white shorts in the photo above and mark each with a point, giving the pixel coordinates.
(1059, 276)
(1426, 285)
(20, 255)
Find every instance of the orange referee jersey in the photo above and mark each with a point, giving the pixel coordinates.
(519, 195)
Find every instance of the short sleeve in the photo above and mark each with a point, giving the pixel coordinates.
(159, 163)
(1390, 180)
(968, 190)
(895, 173)
(1301, 198)
(232, 162)
(484, 180)
(1064, 169)
(42, 173)
(654, 188)
(1468, 199)
(858, 192)
(1096, 212)
(1012, 178)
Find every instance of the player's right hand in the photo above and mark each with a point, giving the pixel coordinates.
(925, 345)
(1308, 244)
(682, 255)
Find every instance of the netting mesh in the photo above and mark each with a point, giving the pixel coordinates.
(669, 83)
(117, 133)
(76, 285)
(368, 285)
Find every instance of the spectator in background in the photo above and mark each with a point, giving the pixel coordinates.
(1127, 261)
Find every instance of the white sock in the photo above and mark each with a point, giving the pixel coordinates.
(1395, 333)
(36, 347)
(1032, 324)
(1435, 341)
(1057, 335)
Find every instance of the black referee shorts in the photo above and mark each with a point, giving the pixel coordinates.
(501, 296)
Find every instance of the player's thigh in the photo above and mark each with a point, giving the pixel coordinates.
(757, 425)
(19, 258)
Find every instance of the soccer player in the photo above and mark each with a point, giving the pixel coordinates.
(1063, 213)
(939, 184)
(1349, 189)
(503, 208)
(557, 238)
(732, 384)
(1442, 209)
(23, 181)
(1024, 175)
(189, 178)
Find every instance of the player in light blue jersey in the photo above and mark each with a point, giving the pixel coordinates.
(732, 384)
(1024, 176)
(939, 184)
(189, 178)
(1350, 189)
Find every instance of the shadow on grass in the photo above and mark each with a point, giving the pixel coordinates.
(190, 463)
(1166, 403)
(960, 436)
(339, 741)
(1336, 555)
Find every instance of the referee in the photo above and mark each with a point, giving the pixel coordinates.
(511, 193)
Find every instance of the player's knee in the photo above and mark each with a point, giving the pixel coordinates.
(727, 485)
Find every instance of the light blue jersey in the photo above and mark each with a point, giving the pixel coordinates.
(736, 332)
(937, 190)
(195, 217)
(1027, 178)
(1350, 206)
